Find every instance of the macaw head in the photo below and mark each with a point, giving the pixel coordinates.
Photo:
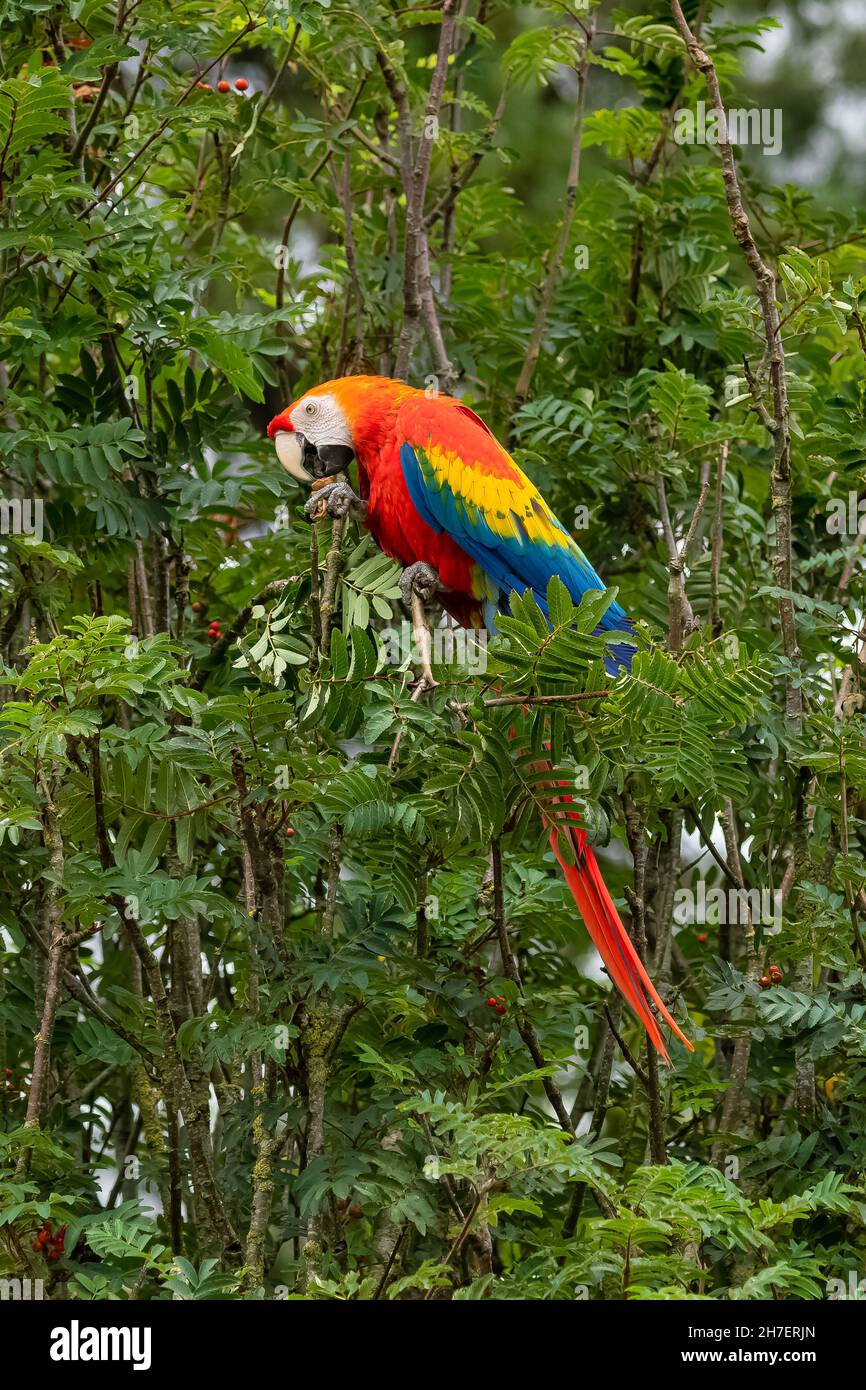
(313, 437)
(320, 433)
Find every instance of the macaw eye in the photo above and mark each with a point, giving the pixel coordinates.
(310, 408)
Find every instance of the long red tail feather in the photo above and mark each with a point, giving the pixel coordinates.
(604, 925)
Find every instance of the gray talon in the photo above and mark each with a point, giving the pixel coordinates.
(336, 499)
(420, 579)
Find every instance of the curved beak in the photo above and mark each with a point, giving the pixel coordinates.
(309, 463)
(292, 450)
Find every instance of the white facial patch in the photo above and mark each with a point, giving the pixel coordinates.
(320, 419)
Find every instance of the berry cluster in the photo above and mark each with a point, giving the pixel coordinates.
(213, 631)
(241, 85)
(773, 976)
(48, 1244)
(496, 1002)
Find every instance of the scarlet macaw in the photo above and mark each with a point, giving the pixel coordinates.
(442, 496)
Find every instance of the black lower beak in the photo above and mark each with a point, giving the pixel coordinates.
(309, 457)
(323, 460)
(330, 459)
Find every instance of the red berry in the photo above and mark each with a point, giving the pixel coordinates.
(205, 86)
(224, 87)
(491, 1003)
(702, 936)
(43, 1235)
(500, 1009)
(242, 84)
(196, 607)
(289, 830)
(775, 974)
(765, 982)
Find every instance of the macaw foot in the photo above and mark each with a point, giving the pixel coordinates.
(418, 585)
(335, 499)
(419, 580)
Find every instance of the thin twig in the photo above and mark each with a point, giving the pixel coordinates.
(554, 265)
(779, 427)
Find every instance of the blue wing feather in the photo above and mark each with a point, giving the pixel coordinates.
(513, 561)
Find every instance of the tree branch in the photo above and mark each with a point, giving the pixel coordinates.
(765, 285)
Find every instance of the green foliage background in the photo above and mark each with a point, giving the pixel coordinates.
(262, 894)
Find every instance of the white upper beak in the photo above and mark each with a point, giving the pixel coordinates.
(290, 452)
